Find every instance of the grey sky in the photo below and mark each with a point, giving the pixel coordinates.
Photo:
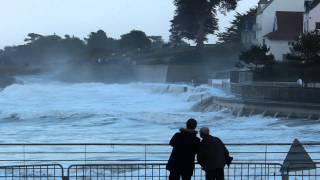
(80, 17)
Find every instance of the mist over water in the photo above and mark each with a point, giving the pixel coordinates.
(42, 110)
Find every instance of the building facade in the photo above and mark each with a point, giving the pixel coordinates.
(270, 25)
(312, 16)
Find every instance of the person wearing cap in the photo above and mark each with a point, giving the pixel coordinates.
(212, 155)
(185, 146)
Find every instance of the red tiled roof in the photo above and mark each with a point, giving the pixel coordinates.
(290, 26)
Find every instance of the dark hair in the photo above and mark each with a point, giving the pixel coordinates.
(191, 124)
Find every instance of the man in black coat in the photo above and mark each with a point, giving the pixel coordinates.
(212, 155)
(185, 146)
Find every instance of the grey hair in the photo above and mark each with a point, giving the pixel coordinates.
(205, 130)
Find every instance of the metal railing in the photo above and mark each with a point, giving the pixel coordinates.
(159, 172)
(152, 171)
(138, 161)
(32, 172)
(66, 154)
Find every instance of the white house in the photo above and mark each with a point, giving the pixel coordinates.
(272, 23)
(312, 16)
(286, 28)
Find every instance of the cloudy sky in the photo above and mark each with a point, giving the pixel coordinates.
(80, 17)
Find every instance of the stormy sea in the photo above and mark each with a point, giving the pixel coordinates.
(42, 110)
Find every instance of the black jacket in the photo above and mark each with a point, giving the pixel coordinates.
(212, 153)
(185, 146)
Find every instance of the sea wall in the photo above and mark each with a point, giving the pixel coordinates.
(180, 73)
(240, 107)
(287, 93)
(134, 73)
(148, 73)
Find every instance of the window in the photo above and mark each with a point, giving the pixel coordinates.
(318, 25)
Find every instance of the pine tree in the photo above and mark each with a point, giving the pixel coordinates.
(238, 25)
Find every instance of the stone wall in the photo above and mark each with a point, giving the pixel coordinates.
(241, 76)
(276, 93)
(148, 73)
(195, 74)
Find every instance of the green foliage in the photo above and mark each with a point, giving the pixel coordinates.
(258, 56)
(306, 49)
(288, 71)
(195, 19)
(99, 45)
(238, 25)
(31, 37)
(41, 49)
(156, 42)
(135, 40)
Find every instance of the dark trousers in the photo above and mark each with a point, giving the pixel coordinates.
(176, 176)
(217, 174)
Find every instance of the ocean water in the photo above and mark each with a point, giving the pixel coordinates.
(41, 110)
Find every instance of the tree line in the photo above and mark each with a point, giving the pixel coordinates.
(49, 48)
(193, 21)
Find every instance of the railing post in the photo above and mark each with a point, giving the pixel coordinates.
(145, 154)
(24, 154)
(85, 154)
(285, 175)
(145, 161)
(265, 158)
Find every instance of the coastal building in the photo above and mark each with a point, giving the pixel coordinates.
(287, 27)
(312, 16)
(279, 22)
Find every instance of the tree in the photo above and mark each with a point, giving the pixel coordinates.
(156, 42)
(306, 48)
(31, 37)
(74, 47)
(99, 44)
(258, 56)
(135, 40)
(238, 25)
(195, 19)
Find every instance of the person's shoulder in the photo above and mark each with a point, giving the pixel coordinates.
(216, 139)
(177, 134)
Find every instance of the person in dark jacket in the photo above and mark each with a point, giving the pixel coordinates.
(185, 146)
(212, 155)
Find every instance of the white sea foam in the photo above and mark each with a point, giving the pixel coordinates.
(42, 110)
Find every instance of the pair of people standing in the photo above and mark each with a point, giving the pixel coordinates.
(211, 153)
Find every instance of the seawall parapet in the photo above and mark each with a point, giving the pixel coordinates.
(249, 107)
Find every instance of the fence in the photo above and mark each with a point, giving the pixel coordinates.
(159, 172)
(32, 172)
(66, 154)
(138, 161)
(152, 171)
